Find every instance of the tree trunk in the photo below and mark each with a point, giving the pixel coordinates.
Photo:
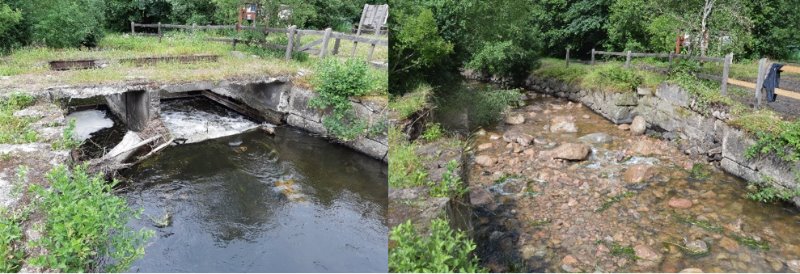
(707, 7)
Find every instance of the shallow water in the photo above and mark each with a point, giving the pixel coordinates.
(548, 212)
(253, 202)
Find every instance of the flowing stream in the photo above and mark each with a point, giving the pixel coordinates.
(253, 202)
(543, 214)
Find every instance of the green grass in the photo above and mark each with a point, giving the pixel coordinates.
(752, 242)
(405, 165)
(555, 68)
(16, 130)
(411, 102)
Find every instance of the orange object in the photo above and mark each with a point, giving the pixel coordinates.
(678, 42)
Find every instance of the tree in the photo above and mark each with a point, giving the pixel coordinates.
(9, 18)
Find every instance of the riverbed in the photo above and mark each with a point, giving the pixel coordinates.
(634, 204)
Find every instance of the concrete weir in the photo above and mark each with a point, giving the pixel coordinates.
(273, 100)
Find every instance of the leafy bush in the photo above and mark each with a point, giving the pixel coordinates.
(766, 192)
(65, 23)
(450, 185)
(11, 253)
(444, 251)
(14, 129)
(85, 224)
(503, 59)
(614, 77)
(433, 131)
(336, 82)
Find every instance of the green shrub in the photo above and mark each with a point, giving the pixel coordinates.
(503, 59)
(65, 23)
(15, 130)
(336, 82)
(433, 131)
(553, 68)
(85, 224)
(450, 185)
(444, 251)
(11, 253)
(613, 77)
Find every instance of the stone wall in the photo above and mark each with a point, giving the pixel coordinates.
(673, 111)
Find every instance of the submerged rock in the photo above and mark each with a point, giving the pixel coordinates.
(647, 256)
(691, 270)
(515, 119)
(570, 151)
(679, 203)
(485, 146)
(624, 127)
(637, 174)
(563, 124)
(515, 136)
(697, 247)
(597, 138)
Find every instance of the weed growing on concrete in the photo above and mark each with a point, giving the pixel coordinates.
(336, 82)
(67, 140)
(766, 192)
(444, 251)
(85, 223)
(13, 129)
(405, 165)
(411, 102)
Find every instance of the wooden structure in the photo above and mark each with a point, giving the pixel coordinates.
(374, 17)
(294, 35)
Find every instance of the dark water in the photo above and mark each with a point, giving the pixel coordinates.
(284, 203)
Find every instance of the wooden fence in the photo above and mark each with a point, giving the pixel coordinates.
(292, 32)
(724, 79)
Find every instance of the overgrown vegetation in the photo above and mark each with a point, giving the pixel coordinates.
(405, 164)
(451, 184)
(766, 191)
(412, 102)
(85, 224)
(433, 131)
(443, 251)
(484, 106)
(336, 82)
(11, 249)
(67, 140)
(699, 171)
(13, 129)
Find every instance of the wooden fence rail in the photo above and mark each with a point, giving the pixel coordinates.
(724, 79)
(726, 61)
(293, 33)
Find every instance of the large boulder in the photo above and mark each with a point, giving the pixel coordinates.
(638, 126)
(570, 151)
(563, 124)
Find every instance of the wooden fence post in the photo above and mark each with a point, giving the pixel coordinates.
(671, 56)
(762, 69)
(369, 55)
(159, 32)
(298, 38)
(358, 32)
(725, 71)
(592, 62)
(291, 42)
(336, 46)
(194, 27)
(133, 27)
(324, 46)
(567, 56)
(628, 60)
